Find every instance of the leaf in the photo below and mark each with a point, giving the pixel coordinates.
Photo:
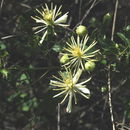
(127, 28)
(57, 48)
(13, 96)
(25, 107)
(4, 72)
(24, 78)
(2, 46)
(124, 38)
(23, 95)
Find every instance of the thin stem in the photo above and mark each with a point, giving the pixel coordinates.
(86, 14)
(80, 7)
(109, 73)
(58, 117)
(1, 6)
(114, 20)
(110, 98)
(109, 70)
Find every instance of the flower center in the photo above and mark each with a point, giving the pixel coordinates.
(48, 15)
(77, 52)
(69, 83)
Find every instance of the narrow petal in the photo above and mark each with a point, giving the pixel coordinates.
(62, 19)
(86, 96)
(60, 93)
(85, 81)
(84, 90)
(63, 25)
(39, 20)
(69, 106)
(40, 30)
(43, 37)
(77, 76)
(65, 97)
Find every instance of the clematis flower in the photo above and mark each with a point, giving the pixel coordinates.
(69, 86)
(49, 18)
(79, 52)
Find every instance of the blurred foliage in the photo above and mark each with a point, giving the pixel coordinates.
(26, 68)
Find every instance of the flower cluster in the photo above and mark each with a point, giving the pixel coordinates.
(77, 56)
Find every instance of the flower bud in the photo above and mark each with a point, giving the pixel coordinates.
(107, 18)
(81, 30)
(90, 65)
(64, 59)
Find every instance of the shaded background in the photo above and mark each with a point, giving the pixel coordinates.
(26, 101)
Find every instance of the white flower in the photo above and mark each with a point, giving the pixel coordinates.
(49, 18)
(69, 86)
(79, 52)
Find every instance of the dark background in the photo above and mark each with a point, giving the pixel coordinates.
(26, 101)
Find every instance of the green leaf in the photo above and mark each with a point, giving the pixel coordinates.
(124, 38)
(23, 76)
(2, 46)
(13, 96)
(57, 48)
(4, 72)
(23, 95)
(25, 107)
(127, 28)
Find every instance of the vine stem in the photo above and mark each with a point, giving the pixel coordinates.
(58, 116)
(109, 70)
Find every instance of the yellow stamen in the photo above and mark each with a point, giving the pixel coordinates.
(77, 52)
(69, 83)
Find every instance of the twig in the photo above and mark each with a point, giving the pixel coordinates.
(86, 14)
(80, 6)
(109, 70)
(109, 97)
(120, 126)
(7, 37)
(1, 5)
(114, 20)
(58, 117)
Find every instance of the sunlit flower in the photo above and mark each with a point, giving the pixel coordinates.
(49, 18)
(68, 86)
(79, 52)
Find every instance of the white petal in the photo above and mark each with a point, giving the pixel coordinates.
(40, 30)
(84, 90)
(85, 81)
(62, 19)
(43, 37)
(69, 106)
(39, 20)
(77, 76)
(60, 93)
(63, 25)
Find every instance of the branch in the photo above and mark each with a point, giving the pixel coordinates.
(86, 13)
(58, 117)
(109, 71)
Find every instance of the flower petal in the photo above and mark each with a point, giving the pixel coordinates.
(84, 90)
(69, 106)
(62, 19)
(77, 76)
(43, 37)
(60, 93)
